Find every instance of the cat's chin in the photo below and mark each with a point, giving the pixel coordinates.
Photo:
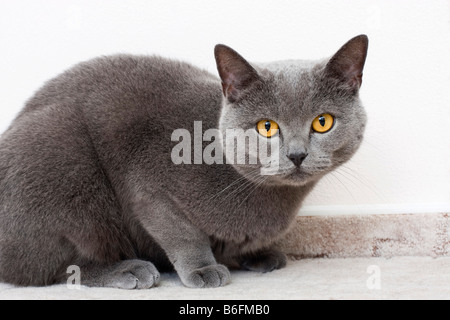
(295, 178)
(288, 177)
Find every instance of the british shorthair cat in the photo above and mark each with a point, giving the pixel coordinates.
(87, 175)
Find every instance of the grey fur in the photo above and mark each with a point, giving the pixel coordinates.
(86, 176)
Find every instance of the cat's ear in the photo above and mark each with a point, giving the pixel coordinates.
(235, 72)
(348, 63)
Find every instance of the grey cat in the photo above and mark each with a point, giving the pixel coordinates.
(87, 179)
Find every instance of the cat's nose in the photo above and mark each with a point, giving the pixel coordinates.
(297, 158)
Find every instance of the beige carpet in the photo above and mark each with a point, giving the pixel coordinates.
(322, 278)
(373, 257)
(375, 235)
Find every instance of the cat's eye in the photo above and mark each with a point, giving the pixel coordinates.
(267, 128)
(323, 123)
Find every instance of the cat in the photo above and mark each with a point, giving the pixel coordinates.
(87, 178)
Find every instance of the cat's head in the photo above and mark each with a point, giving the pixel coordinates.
(309, 112)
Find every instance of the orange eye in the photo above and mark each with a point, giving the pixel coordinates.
(267, 128)
(323, 123)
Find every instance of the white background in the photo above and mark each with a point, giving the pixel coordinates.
(404, 163)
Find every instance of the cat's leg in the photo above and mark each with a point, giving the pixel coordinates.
(187, 247)
(263, 261)
(41, 260)
(108, 257)
(33, 259)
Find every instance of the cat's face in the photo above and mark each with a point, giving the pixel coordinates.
(309, 113)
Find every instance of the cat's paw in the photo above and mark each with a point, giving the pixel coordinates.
(264, 261)
(212, 276)
(133, 274)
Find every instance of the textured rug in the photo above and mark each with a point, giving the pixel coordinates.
(321, 278)
(376, 235)
(340, 257)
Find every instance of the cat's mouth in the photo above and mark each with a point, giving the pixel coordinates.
(293, 176)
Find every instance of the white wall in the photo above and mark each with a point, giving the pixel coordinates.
(404, 164)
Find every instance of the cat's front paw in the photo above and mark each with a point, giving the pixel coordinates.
(264, 261)
(212, 276)
(132, 274)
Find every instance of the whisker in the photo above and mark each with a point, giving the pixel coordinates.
(239, 184)
(239, 189)
(343, 184)
(258, 184)
(373, 146)
(329, 182)
(226, 188)
(361, 179)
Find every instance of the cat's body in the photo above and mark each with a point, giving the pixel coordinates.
(87, 179)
